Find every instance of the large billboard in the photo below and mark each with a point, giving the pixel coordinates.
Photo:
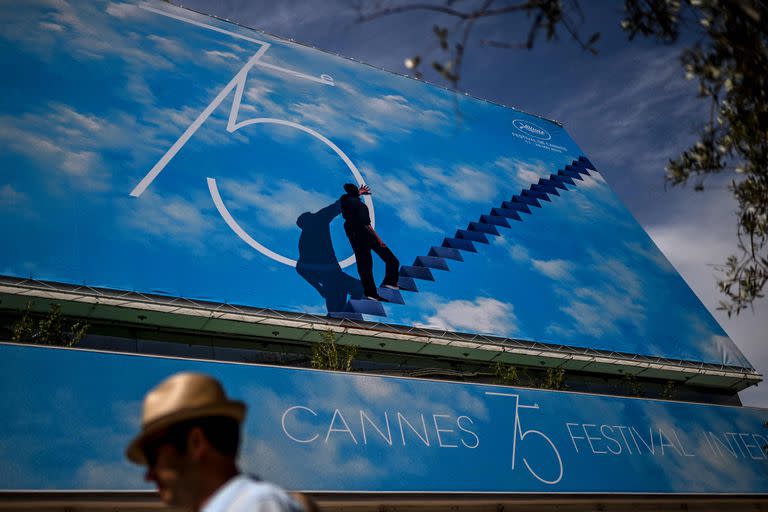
(148, 148)
(325, 431)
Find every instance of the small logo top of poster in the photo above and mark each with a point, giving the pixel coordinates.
(531, 129)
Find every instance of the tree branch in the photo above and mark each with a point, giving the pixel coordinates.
(443, 9)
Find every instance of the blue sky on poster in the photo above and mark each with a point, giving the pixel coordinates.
(85, 440)
(630, 100)
(174, 218)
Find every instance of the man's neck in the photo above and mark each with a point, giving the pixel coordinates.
(212, 484)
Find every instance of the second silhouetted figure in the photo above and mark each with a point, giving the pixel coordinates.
(363, 238)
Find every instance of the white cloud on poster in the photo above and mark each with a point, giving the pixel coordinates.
(52, 151)
(375, 389)
(170, 47)
(708, 337)
(517, 252)
(428, 191)
(141, 138)
(93, 32)
(404, 195)
(394, 112)
(71, 122)
(348, 394)
(594, 180)
(10, 198)
(170, 123)
(258, 101)
(481, 315)
(323, 458)
(333, 122)
(124, 11)
(368, 119)
(554, 269)
(95, 474)
(79, 163)
(91, 35)
(280, 202)
(328, 460)
(220, 56)
(597, 311)
(53, 27)
(66, 142)
(523, 172)
(188, 222)
(462, 182)
(614, 270)
(652, 254)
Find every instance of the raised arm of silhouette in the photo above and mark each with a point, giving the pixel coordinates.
(318, 264)
(364, 239)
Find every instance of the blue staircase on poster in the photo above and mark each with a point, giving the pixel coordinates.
(191, 157)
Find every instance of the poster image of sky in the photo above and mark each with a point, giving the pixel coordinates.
(336, 431)
(148, 148)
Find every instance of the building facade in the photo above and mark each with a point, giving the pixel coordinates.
(176, 184)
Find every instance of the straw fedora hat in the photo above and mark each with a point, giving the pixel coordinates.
(180, 397)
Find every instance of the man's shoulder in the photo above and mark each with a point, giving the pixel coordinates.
(253, 484)
(258, 495)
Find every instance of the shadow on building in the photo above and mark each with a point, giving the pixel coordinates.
(317, 262)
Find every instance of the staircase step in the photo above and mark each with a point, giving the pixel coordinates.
(546, 188)
(475, 236)
(561, 178)
(516, 205)
(570, 173)
(531, 201)
(506, 212)
(366, 307)
(483, 228)
(575, 167)
(416, 272)
(552, 182)
(458, 243)
(446, 252)
(585, 161)
(538, 195)
(582, 169)
(407, 284)
(431, 262)
(393, 296)
(345, 314)
(496, 220)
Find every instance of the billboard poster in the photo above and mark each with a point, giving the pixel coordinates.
(326, 431)
(148, 148)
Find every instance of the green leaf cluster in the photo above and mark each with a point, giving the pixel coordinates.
(329, 355)
(49, 329)
(506, 374)
(510, 375)
(730, 63)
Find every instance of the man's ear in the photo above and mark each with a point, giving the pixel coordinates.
(197, 443)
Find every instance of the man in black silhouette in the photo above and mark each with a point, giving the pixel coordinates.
(363, 238)
(317, 262)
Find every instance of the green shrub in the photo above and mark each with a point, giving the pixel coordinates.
(50, 329)
(328, 355)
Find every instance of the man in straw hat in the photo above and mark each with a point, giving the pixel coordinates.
(190, 435)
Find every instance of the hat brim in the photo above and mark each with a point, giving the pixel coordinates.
(135, 451)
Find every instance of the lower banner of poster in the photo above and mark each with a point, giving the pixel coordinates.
(70, 413)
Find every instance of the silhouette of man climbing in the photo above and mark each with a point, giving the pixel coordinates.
(363, 238)
(317, 262)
